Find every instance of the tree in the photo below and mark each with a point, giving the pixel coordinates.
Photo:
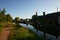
(2, 15)
(8, 18)
(3, 11)
(0, 11)
(17, 20)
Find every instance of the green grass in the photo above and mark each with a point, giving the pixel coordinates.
(1, 29)
(2, 25)
(20, 33)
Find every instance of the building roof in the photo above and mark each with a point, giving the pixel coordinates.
(50, 15)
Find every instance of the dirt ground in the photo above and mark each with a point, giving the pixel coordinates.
(5, 33)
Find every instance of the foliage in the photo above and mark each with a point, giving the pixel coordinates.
(5, 17)
(22, 33)
(2, 24)
(2, 15)
(3, 11)
(17, 20)
(9, 18)
(1, 29)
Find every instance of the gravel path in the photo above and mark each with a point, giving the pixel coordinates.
(5, 33)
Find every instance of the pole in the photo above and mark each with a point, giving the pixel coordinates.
(57, 5)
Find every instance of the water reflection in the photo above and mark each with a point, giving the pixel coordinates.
(40, 33)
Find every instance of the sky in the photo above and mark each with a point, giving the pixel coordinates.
(27, 8)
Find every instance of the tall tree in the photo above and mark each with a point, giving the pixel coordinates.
(3, 11)
(2, 15)
(17, 20)
(8, 18)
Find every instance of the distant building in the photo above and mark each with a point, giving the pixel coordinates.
(22, 20)
(49, 23)
(50, 19)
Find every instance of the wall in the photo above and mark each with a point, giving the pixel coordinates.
(58, 19)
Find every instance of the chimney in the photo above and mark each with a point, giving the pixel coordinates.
(43, 13)
(36, 13)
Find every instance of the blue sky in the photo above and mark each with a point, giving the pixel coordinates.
(27, 8)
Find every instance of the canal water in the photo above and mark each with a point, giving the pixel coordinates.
(40, 33)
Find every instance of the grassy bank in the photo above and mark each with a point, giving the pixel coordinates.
(4, 24)
(0, 29)
(21, 33)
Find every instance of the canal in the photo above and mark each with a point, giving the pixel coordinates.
(40, 33)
